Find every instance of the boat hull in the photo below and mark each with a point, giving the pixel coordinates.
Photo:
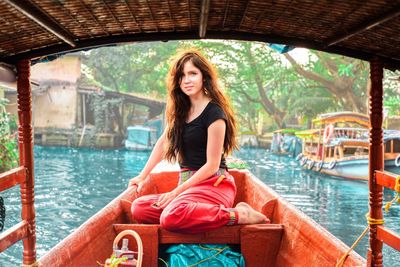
(292, 239)
(353, 169)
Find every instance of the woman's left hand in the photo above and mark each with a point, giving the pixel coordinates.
(165, 199)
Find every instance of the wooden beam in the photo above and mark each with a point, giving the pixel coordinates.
(390, 63)
(386, 179)
(388, 237)
(13, 235)
(205, 10)
(376, 161)
(42, 19)
(365, 26)
(25, 149)
(12, 178)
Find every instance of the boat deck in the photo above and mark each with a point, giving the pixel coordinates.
(292, 239)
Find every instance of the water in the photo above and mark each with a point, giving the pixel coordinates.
(337, 204)
(73, 184)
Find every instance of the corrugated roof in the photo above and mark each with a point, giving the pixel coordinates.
(361, 29)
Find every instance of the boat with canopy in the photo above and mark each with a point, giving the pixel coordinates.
(338, 145)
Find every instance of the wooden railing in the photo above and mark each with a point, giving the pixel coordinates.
(19, 231)
(388, 180)
(23, 175)
(351, 133)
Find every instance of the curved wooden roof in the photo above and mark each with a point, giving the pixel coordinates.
(336, 117)
(360, 29)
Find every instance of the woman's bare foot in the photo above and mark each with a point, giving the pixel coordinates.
(248, 215)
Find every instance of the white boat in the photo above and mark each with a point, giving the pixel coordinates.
(338, 145)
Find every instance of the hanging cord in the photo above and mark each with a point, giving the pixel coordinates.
(220, 250)
(2, 213)
(396, 197)
(371, 221)
(163, 261)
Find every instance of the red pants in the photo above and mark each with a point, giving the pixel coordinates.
(200, 208)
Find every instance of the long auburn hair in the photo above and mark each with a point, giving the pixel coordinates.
(178, 103)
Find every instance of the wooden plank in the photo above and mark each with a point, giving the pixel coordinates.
(260, 243)
(12, 177)
(13, 235)
(224, 235)
(386, 179)
(388, 237)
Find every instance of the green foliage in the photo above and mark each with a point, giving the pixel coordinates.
(235, 163)
(343, 78)
(391, 84)
(139, 68)
(257, 79)
(346, 69)
(8, 144)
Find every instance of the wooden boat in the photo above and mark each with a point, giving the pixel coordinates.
(338, 145)
(141, 138)
(45, 28)
(292, 239)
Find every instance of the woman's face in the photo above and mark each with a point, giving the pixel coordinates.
(192, 80)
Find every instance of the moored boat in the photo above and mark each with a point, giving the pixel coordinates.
(292, 239)
(141, 138)
(338, 145)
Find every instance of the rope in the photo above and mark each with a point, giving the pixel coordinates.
(371, 221)
(396, 197)
(2, 213)
(35, 264)
(163, 261)
(209, 258)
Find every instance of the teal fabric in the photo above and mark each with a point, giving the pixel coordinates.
(203, 255)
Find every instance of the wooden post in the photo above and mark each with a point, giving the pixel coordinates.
(376, 160)
(25, 145)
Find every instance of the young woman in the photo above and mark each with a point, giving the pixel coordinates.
(200, 132)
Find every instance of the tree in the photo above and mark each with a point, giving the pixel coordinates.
(344, 78)
(260, 80)
(8, 143)
(139, 68)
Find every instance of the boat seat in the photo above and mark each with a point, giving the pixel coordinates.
(259, 243)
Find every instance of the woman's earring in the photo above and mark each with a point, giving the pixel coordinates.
(205, 91)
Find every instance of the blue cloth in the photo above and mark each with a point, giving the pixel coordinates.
(281, 48)
(203, 255)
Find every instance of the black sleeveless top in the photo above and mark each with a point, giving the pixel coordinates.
(194, 150)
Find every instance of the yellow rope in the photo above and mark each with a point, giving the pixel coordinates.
(371, 221)
(163, 261)
(397, 185)
(396, 197)
(35, 264)
(212, 256)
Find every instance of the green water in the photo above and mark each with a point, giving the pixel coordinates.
(73, 184)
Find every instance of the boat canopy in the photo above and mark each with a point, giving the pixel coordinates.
(308, 133)
(342, 117)
(286, 131)
(42, 28)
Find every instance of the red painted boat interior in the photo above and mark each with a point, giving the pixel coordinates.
(292, 239)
